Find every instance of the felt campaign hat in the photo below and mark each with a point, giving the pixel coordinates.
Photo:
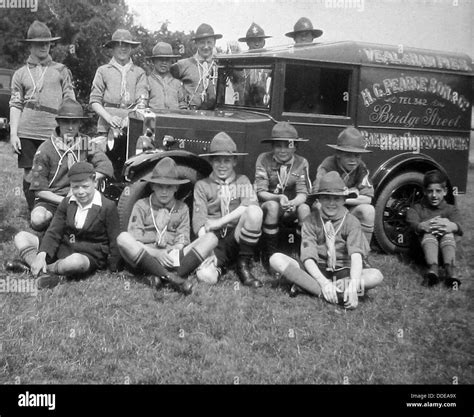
(162, 50)
(70, 109)
(350, 140)
(165, 172)
(254, 32)
(205, 31)
(39, 32)
(80, 171)
(304, 25)
(223, 145)
(121, 35)
(284, 131)
(332, 184)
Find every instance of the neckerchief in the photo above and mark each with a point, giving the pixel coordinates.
(207, 69)
(160, 221)
(330, 236)
(124, 69)
(225, 196)
(37, 73)
(63, 150)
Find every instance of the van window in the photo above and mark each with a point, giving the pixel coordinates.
(316, 90)
(5, 80)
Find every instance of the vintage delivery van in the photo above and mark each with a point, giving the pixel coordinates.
(412, 105)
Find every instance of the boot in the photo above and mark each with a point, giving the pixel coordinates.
(177, 283)
(244, 273)
(451, 281)
(16, 265)
(431, 277)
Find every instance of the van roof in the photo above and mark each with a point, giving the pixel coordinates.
(363, 53)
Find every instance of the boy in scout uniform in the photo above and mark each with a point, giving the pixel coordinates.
(199, 72)
(255, 37)
(158, 236)
(165, 91)
(81, 237)
(225, 204)
(332, 248)
(347, 162)
(38, 89)
(55, 157)
(303, 32)
(282, 184)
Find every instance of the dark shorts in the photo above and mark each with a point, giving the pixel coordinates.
(45, 204)
(227, 248)
(28, 150)
(94, 262)
(339, 274)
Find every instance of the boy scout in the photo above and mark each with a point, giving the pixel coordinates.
(347, 162)
(199, 72)
(282, 184)
(332, 248)
(165, 91)
(38, 89)
(225, 204)
(55, 157)
(81, 237)
(255, 37)
(303, 32)
(157, 240)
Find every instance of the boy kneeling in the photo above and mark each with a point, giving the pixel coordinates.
(332, 247)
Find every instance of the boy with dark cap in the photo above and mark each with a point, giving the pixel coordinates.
(303, 32)
(158, 236)
(56, 156)
(38, 89)
(332, 248)
(199, 72)
(255, 37)
(282, 185)
(81, 237)
(225, 204)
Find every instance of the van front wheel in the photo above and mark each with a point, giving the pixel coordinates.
(391, 229)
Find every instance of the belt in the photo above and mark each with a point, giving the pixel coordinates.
(39, 107)
(115, 105)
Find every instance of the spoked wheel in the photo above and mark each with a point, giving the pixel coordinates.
(391, 229)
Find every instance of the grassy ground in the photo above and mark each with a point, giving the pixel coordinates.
(111, 329)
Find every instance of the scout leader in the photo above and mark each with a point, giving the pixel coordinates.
(255, 37)
(225, 204)
(81, 237)
(38, 89)
(199, 72)
(282, 184)
(158, 236)
(54, 158)
(303, 32)
(332, 248)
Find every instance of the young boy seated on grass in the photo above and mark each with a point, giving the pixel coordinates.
(281, 180)
(436, 222)
(332, 247)
(55, 157)
(225, 203)
(158, 236)
(81, 237)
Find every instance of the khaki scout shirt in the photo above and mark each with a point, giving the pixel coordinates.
(142, 227)
(106, 88)
(207, 201)
(267, 170)
(165, 92)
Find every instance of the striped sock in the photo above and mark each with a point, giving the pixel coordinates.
(248, 241)
(270, 229)
(189, 263)
(28, 254)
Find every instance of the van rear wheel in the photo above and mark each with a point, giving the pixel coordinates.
(392, 232)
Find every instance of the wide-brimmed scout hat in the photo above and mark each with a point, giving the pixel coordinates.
(205, 31)
(350, 140)
(162, 50)
(165, 172)
(254, 32)
(39, 32)
(80, 171)
(223, 145)
(304, 25)
(284, 131)
(332, 184)
(122, 35)
(70, 109)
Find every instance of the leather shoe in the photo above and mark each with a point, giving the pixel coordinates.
(16, 265)
(431, 277)
(294, 291)
(47, 281)
(245, 275)
(178, 284)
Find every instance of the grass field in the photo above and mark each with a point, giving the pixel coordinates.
(112, 329)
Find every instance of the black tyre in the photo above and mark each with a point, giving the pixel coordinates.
(391, 230)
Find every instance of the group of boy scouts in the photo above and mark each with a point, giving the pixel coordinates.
(81, 232)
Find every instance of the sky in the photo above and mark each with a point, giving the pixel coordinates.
(445, 25)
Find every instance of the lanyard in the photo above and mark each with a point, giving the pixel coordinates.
(283, 182)
(67, 151)
(162, 232)
(36, 87)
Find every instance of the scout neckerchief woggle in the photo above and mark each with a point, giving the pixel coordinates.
(283, 177)
(330, 235)
(124, 69)
(161, 221)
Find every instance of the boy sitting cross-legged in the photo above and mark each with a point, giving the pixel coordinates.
(332, 247)
(157, 240)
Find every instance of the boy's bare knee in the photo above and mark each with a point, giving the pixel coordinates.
(123, 239)
(210, 239)
(77, 262)
(271, 208)
(254, 214)
(208, 274)
(279, 262)
(23, 239)
(40, 218)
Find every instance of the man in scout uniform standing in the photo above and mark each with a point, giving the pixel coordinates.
(165, 91)
(199, 72)
(225, 204)
(282, 185)
(158, 236)
(303, 32)
(255, 37)
(38, 89)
